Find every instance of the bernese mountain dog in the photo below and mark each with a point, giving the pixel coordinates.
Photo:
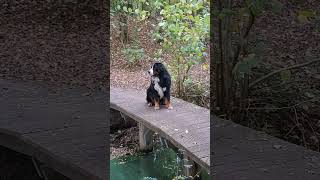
(158, 92)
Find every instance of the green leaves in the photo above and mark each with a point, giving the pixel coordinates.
(118, 7)
(226, 12)
(258, 49)
(285, 75)
(125, 9)
(308, 14)
(136, 7)
(184, 28)
(256, 6)
(303, 16)
(276, 6)
(188, 82)
(134, 54)
(246, 64)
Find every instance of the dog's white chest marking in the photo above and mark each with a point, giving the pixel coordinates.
(157, 87)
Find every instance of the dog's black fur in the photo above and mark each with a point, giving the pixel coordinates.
(161, 72)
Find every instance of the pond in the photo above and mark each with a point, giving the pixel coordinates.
(158, 165)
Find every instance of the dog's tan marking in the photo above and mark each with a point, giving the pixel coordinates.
(167, 104)
(156, 105)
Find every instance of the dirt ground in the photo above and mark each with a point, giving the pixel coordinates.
(124, 142)
(53, 42)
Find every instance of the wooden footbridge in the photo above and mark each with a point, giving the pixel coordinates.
(186, 126)
(61, 128)
(65, 129)
(239, 153)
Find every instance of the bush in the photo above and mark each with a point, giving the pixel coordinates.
(184, 30)
(133, 54)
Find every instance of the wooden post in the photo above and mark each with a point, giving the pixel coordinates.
(145, 138)
(189, 167)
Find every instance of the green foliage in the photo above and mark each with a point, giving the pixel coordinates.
(125, 8)
(179, 178)
(142, 9)
(245, 66)
(252, 60)
(276, 6)
(184, 29)
(285, 75)
(304, 15)
(133, 54)
(259, 6)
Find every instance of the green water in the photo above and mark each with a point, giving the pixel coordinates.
(161, 165)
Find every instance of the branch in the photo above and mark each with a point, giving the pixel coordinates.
(280, 70)
(186, 73)
(286, 107)
(245, 36)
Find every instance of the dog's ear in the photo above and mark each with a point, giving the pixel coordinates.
(160, 67)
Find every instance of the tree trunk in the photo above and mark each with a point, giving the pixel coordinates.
(123, 24)
(224, 91)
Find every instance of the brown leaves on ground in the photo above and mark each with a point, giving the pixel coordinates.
(124, 142)
(53, 42)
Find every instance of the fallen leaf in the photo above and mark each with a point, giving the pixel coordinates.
(277, 146)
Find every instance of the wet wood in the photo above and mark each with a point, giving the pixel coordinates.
(187, 126)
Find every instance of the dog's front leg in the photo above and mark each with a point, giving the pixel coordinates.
(156, 104)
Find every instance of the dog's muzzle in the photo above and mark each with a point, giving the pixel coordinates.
(150, 72)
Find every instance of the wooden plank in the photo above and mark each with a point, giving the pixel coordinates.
(20, 114)
(185, 126)
(200, 150)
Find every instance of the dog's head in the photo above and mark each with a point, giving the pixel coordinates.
(156, 69)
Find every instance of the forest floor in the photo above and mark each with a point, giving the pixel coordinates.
(52, 42)
(287, 105)
(288, 109)
(124, 142)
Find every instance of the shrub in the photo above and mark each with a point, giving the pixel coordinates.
(183, 30)
(133, 54)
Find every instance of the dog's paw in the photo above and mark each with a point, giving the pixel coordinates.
(149, 104)
(170, 107)
(156, 107)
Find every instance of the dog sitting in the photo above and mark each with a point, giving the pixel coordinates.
(158, 92)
